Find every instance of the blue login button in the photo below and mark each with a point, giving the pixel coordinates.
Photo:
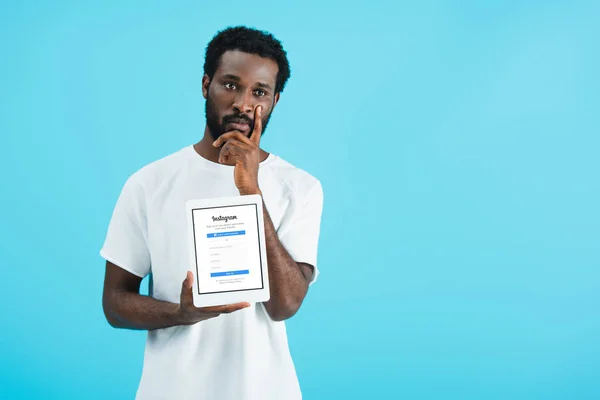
(229, 273)
(222, 234)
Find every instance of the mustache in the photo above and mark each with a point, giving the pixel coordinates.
(237, 118)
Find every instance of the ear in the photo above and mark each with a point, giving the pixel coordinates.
(205, 85)
(275, 99)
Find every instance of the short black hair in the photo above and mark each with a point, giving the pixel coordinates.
(248, 40)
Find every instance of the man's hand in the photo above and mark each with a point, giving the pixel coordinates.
(244, 153)
(190, 314)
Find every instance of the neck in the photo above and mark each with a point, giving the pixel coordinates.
(205, 148)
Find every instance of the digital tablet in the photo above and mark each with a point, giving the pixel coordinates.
(228, 250)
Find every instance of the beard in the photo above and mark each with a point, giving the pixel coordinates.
(217, 127)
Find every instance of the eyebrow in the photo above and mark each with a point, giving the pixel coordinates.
(232, 77)
(237, 79)
(264, 85)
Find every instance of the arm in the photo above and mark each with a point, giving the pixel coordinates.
(288, 280)
(124, 306)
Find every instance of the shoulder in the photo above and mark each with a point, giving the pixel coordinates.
(151, 176)
(298, 181)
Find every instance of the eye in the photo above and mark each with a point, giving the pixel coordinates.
(260, 93)
(230, 86)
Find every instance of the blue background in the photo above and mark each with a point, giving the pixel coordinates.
(458, 147)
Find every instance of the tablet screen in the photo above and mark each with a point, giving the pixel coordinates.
(227, 247)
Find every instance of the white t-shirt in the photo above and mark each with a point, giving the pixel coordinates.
(243, 355)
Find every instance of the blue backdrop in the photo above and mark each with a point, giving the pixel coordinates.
(458, 147)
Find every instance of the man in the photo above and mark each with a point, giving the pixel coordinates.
(235, 351)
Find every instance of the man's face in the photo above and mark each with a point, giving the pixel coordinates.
(241, 82)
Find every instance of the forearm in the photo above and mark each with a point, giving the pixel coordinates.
(129, 310)
(287, 283)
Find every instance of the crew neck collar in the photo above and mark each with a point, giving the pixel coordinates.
(200, 160)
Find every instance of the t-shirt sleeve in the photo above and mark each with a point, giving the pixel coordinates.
(299, 234)
(126, 242)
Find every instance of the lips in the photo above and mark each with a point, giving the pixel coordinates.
(238, 124)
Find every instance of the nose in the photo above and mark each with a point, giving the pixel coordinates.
(243, 103)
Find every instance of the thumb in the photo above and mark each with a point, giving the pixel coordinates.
(186, 288)
(188, 281)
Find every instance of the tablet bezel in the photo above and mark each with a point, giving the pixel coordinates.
(243, 295)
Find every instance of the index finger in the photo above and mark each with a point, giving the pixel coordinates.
(257, 131)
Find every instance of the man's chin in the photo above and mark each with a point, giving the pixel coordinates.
(243, 128)
(216, 133)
